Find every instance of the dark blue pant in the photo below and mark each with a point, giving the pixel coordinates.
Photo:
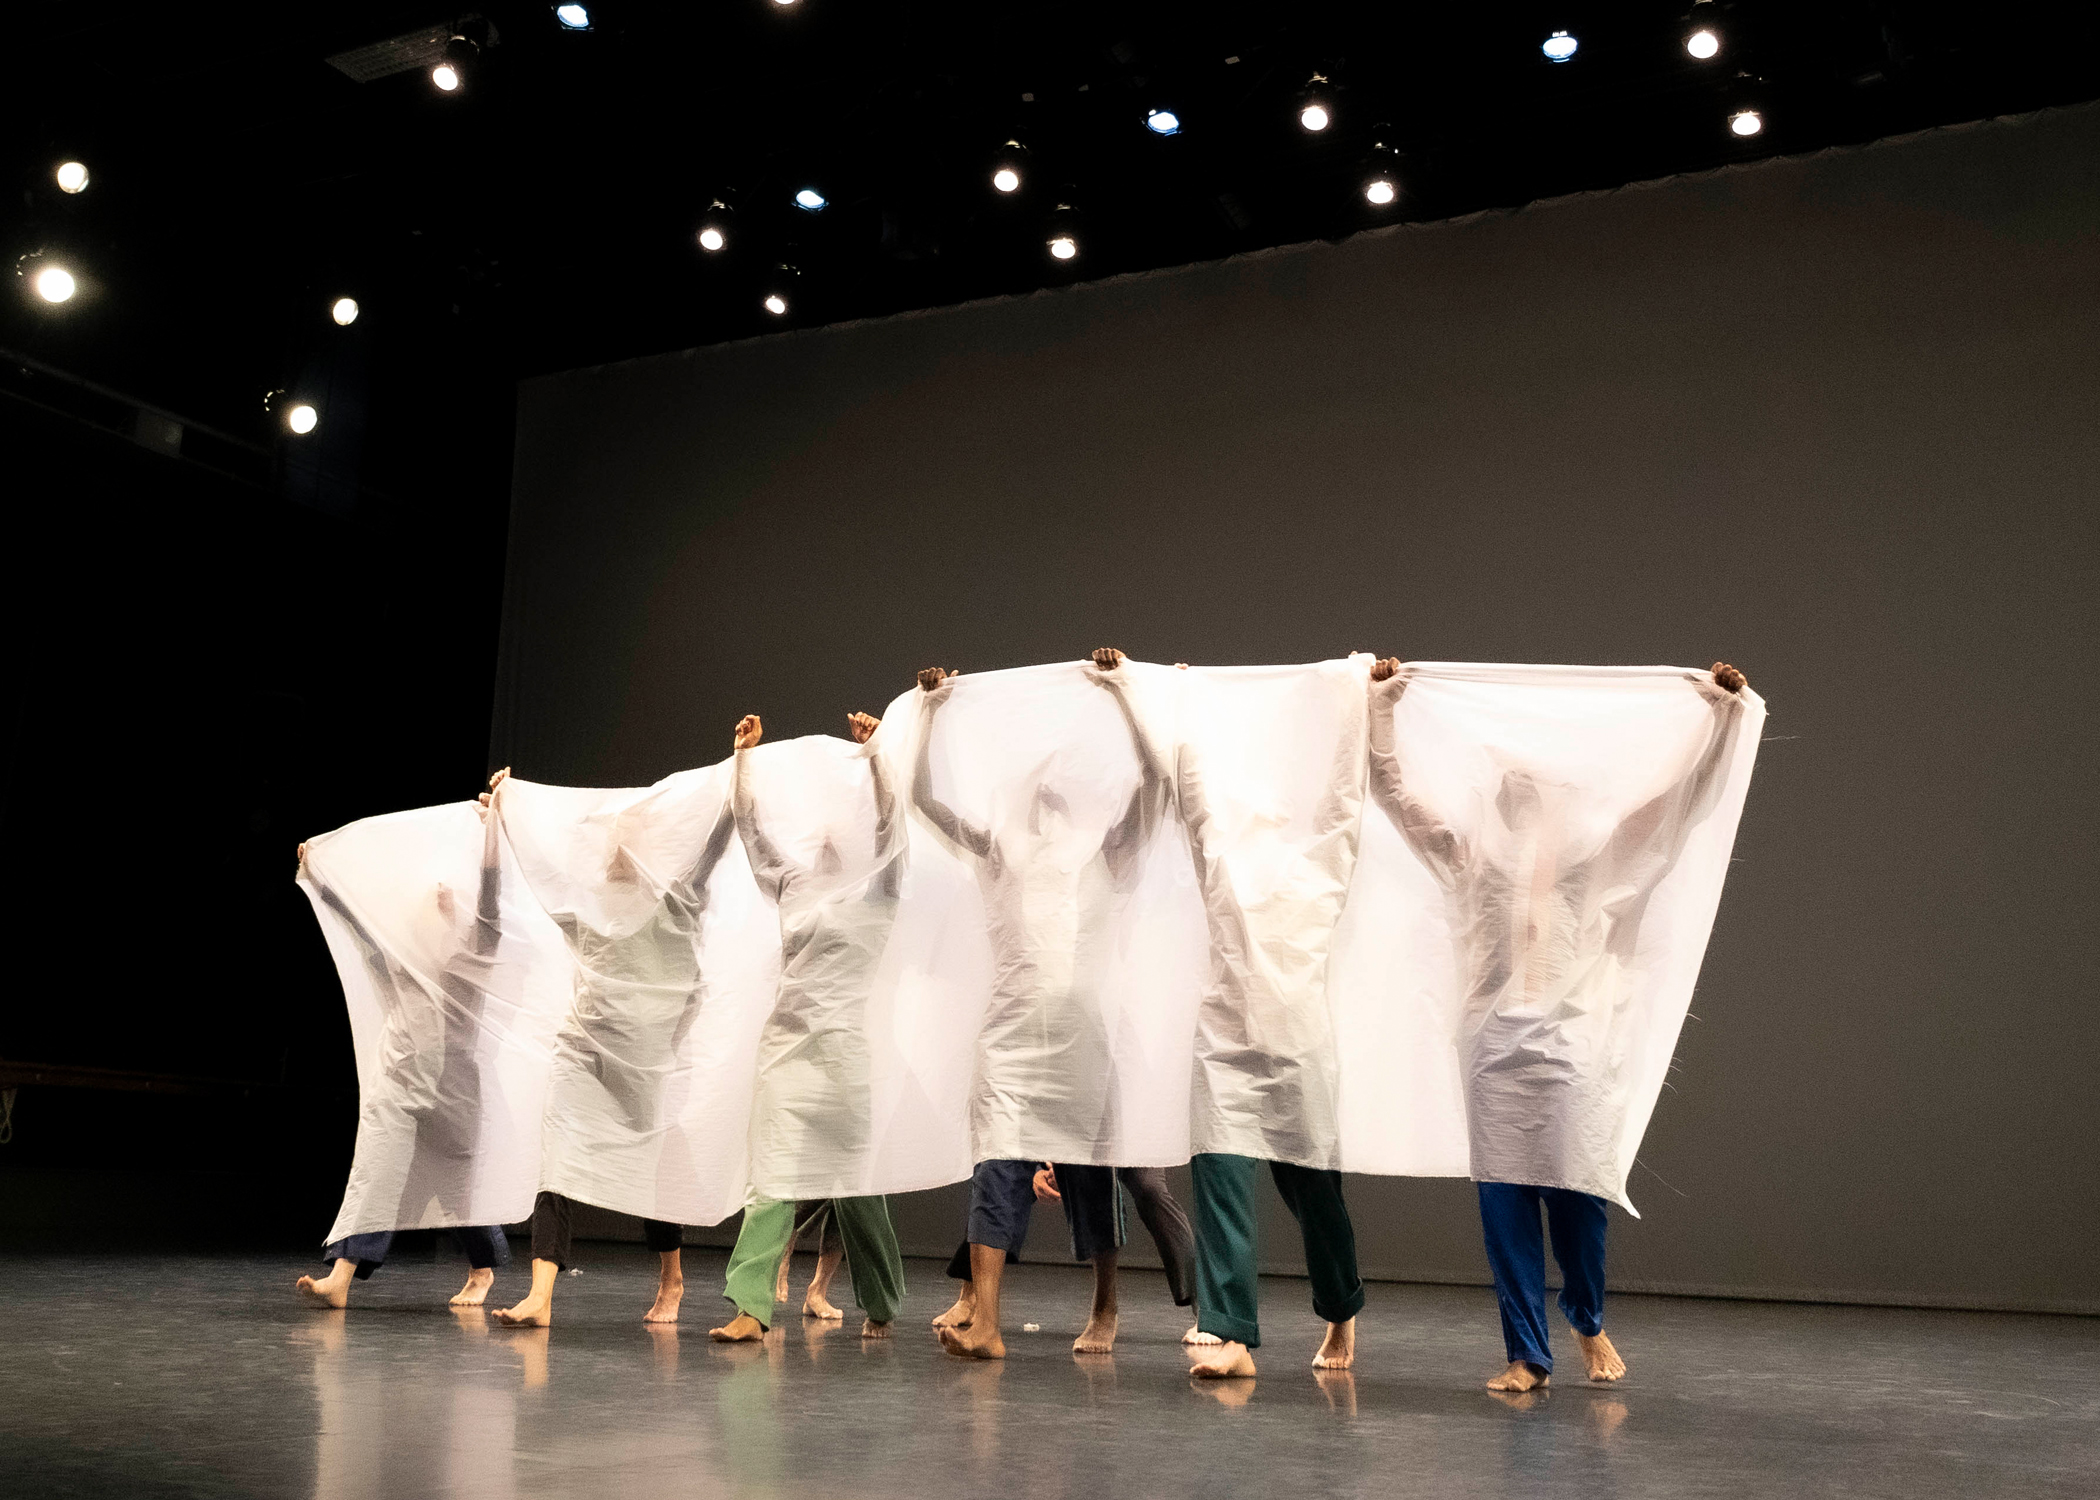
(1509, 1216)
(1002, 1200)
(484, 1243)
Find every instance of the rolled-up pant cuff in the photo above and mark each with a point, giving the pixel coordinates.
(1232, 1330)
(1342, 1311)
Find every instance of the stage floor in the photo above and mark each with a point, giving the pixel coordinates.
(138, 1377)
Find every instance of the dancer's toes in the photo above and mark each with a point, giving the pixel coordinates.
(476, 1291)
(1098, 1337)
(1338, 1349)
(814, 1306)
(326, 1293)
(1602, 1359)
(1520, 1376)
(869, 1329)
(665, 1309)
(1231, 1360)
(973, 1343)
(959, 1315)
(741, 1329)
(1198, 1336)
(531, 1313)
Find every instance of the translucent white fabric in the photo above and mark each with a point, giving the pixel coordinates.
(1443, 925)
(455, 981)
(676, 954)
(1537, 888)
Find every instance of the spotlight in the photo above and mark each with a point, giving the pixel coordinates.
(1007, 180)
(1315, 117)
(812, 200)
(1746, 122)
(775, 303)
(1558, 47)
(1061, 233)
(1063, 247)
(778, 288)
(72, 176)
(1010, 168)
(712, 238)
(450, 75)
(1381, 190)
(302, 419)
(714, 226)
(344, 312)
(783, 4)
(1381, 169)
(1316, 104)
(54, 284)
(573, 17)
(1163, 122)
(1703, 43)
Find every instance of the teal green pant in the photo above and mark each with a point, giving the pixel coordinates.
(871, 1256)
(1228, 1300)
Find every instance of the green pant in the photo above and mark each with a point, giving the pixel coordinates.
(1227, 1246)
(871, 1255)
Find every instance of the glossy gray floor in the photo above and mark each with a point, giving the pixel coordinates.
(135, 1377)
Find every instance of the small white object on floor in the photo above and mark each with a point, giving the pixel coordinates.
(1031, 1328)
(576, 1270)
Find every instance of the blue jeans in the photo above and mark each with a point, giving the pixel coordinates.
(484, 1243)
(1509, 1216)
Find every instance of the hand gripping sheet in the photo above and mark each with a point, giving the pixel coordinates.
(1542, 861)
(455, 982)
(676, 955)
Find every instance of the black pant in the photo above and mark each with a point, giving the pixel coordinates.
(554, 1222)
(484, 1243)
(1161, 1215)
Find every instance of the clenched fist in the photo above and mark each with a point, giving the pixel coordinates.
(862, 727)
(749, 731)
(1729, 678)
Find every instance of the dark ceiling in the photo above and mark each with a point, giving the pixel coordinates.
(544, 216)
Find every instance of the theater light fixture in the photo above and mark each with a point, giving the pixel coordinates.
(1163, 122)
(812, 200)
(775, 303)
(573, 17)
(302, 419)
(1559, 47)
(446, 77)
(1009, 168)
(1381, 190)
(1063, 247)
(1746, 122)
(714, 227)
(1316, 104)
(451, 73)
(1061, 233)
(1381, 169)
(72, 176)
(779, 290)
(712, 239)
(1703, 43)
(54, 284)
(1006, 180)
(1315, 117)
(344, 312)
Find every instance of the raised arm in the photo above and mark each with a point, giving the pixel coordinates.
(1432, 840)
(862, 727)
(488, 900)
(1662, 824)
(934, 682)
(1127, 838)
(770, 865)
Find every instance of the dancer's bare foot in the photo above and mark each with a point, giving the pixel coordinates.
(534, 1312)
(1231, 1360)
(1603, 1360)
(870, 1329)
(741, 1329)
(1099, 1335)
(973, 1342)
(1520, 1376)
(332, 1290)
(961, 1313)
(1338, 1349)
(476, 1291)
(780, 1282)
(817, 1305)
(670, 1291)
(1198, 1336)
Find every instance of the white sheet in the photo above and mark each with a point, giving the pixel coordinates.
(1444, 925)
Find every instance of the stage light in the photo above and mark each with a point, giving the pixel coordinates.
(450, 75)
(712, 238)
(1007, 180)
(812, 200)
(783, 4)
(1381, 190)
(302, 419)
(776, 304)
(445, 76)
(1559, 47)
(1315, 117)
(54, 284)
(573, 17)
(72, 176)
(1746, 122)
(1163, 122)
(1703, 43)
(1064, 247)
(344, 312)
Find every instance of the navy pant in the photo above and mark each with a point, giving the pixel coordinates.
(1002, 1200)
(484, 1243)
(1509, 1216)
